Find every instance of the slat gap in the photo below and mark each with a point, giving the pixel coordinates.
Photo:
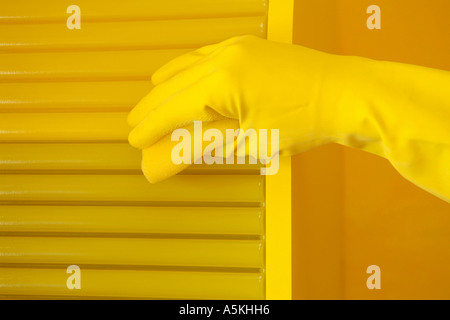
(134, 267)
(117, 235)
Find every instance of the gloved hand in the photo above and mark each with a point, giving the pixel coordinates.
(262, 84)
(257, 83)
(397, 111)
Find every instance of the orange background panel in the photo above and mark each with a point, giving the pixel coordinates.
(352, 209)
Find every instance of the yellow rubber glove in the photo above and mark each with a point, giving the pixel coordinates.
(398, 111)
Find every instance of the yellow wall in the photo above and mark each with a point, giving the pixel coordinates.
(352, 209)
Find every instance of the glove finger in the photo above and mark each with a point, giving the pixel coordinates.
(157, 162)
(167, 90)
(183, 62)
(174, 66)
(181, 109)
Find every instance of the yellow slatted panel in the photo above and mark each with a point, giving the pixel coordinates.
(89, 157)
(129, 251)
(64, 126)
(71, 189)
(83, 66)
(72, 96)
(126, 35)
(25, 11)
(133, 283)
(136, 220)
(83, 157)
(73, 156)
(110, 188)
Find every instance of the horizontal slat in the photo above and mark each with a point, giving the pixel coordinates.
(71, 156)
(132, 251)
(137, 220)
(94, 126)
(134, 283)
(84, 66)
(113, 188)
(24, 11)
(126, 35)
(89, 156)
(72, 96)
